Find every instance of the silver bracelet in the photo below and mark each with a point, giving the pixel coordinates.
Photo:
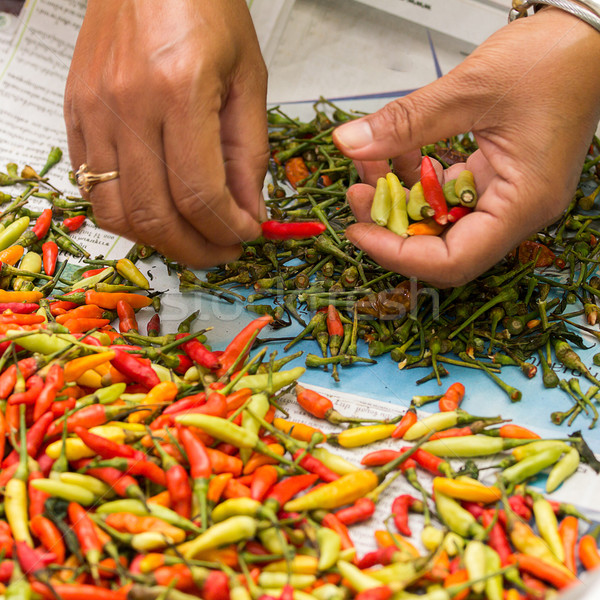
(586, 10)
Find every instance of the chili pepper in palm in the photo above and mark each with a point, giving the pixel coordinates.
(135, 369)
(199, 353)
(398, 219)
(238, 349)
(178, 483)
(15, 494)
(433, 192)
(464, 188)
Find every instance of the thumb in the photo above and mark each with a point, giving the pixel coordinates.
(438, 110)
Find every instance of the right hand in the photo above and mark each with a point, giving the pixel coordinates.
(172, 94)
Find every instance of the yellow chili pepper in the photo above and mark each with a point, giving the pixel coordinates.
(90, 378)
(465, 488)
(334, 462)
(10, 296)
(302, 564)
(398, 572)
(344, 490)
(32, 261)
(330, 545)
(269, 580)
(129, 271)
(361, 436)
(78, 366)
(359, 580)
(464, 188)
(66, 491)
(474, 559)
(536, 447)
(164, 392)
(547, 525)
(398, 220)
(417, 206)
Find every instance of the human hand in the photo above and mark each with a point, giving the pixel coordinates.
(530, 96)
(172, 93)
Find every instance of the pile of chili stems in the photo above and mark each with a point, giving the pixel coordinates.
(150, 466)
(532, 311)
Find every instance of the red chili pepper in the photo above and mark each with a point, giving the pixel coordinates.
(332, 522)
(76, 591)
(178, 483)
(8, 379)
(92, 272)
(382, 556)
(136, 467)
(42, 223)
(263, 479)
(135, 369)
(276, 230)
(285, 490)
(241, 344)
(379, 457)
(6, 570)
(33, 440)
(361, 510)
(216, 586)
(497, 537)
(74, 223)
(34, 385)
(529, 251)
(32, 561)
(296, 170)
(400, 507)
(54, 382)
(314, 465)
(314, 403)
(431, 463)
(383, 592)
(37, 498)
(104, 447)
(185, 404)
(126, 314)
(452, 398)
(519, 506)
(406, 422)
(200, 465)
(60, 407)
(199, 353)
(3, 432)
(452, 432)
(86, 417)
(123, 484)
(153, 326)
(19, 307)
(456, 213)
(434, 194)
(49, 256)
(518, 432)
(474, 508)
(85, 531)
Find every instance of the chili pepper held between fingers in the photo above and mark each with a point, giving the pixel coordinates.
(274, 230)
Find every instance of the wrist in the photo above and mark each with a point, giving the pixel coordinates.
(585, 10)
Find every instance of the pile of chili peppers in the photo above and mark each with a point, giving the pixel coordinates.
(532, 311)
(144, 466)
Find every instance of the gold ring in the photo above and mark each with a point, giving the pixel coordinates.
(86, 180)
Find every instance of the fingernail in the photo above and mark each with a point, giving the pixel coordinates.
(355, 135)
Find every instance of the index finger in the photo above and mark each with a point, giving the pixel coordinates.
(197, 178)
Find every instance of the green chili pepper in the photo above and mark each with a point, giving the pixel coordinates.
(464, 188)
(330, 545)
(358, 579)
(12, 233)
(259, 405)
(532, 465)
(417, 207)
(458, 519)
(547, 525)
(259, 382)
(451, 198)
(230, 531)
(494, 589)
(66, 491)
(563, 469)
(471, 446)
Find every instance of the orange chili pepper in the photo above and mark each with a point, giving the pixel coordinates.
(83, 325)
(517, 432)
(298, 431)
(588, 552)
(385, 539)
(12, 255)
(216, 486)
(49, 536)
(237, 399)
(258, 460)
(452, 398)
(75, 368)
(406, 422)
(235, 489)
(546, 572)
(458, 577)
(223, 463)
(84, 311)
(568, 530)
(163, 498)
(296, 170)
(332, 522)
(425, 227)
(109, 300)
